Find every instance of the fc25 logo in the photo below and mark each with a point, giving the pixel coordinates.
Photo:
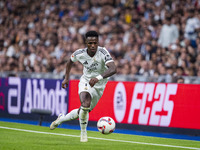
(154, 101)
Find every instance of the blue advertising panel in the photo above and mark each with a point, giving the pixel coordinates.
(18, 96)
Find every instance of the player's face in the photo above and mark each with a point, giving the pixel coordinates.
(92, 44)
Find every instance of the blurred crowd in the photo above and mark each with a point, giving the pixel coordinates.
(145, 37)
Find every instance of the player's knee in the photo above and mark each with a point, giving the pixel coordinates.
(85, 99)
(85, 104)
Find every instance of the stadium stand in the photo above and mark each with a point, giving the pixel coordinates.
(150, 40)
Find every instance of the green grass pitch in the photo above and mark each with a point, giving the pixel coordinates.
(15, 136)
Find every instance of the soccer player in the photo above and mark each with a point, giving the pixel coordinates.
(98, 65)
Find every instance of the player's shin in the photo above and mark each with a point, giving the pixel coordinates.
(72, 115)
(83, 119)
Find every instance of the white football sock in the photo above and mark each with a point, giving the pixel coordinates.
(83, 118)
(72, 115)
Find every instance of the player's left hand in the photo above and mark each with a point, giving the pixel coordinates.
(93, 81)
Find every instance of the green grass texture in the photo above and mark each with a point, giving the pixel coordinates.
(16, 136)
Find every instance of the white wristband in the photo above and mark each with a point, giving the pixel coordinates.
(99, 77)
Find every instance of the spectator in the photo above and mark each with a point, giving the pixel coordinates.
(169, 33)
(180, 80)
(192, 25)
(169, 74)
(179, 73)
(144, 70)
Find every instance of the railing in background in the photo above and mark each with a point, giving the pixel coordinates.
(136, 78)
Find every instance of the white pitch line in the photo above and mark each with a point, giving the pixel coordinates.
(113, 140)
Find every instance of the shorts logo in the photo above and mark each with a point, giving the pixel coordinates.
(86, 88)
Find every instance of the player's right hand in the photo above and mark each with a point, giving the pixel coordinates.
(93, 81)
(65, 83)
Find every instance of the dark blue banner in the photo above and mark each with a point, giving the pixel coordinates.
(19, 96)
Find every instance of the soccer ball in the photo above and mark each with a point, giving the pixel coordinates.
(106, 125)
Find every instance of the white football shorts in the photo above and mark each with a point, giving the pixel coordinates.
(96, 92)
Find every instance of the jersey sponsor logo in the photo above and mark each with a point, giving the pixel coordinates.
(92, 67)
(154, 103)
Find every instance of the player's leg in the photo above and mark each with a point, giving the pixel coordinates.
(85, 99)
(72, 115)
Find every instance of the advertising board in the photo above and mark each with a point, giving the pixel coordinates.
(151, 104)
(18, 96)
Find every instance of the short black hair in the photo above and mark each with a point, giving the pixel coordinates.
(180, 78)
(91, 34)
(168, 18)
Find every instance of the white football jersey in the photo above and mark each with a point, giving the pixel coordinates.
(93, 66)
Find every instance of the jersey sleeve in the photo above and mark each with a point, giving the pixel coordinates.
(76, 55)
(73, 58)
(107, 56)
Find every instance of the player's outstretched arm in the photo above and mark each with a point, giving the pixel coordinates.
(65, 82)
